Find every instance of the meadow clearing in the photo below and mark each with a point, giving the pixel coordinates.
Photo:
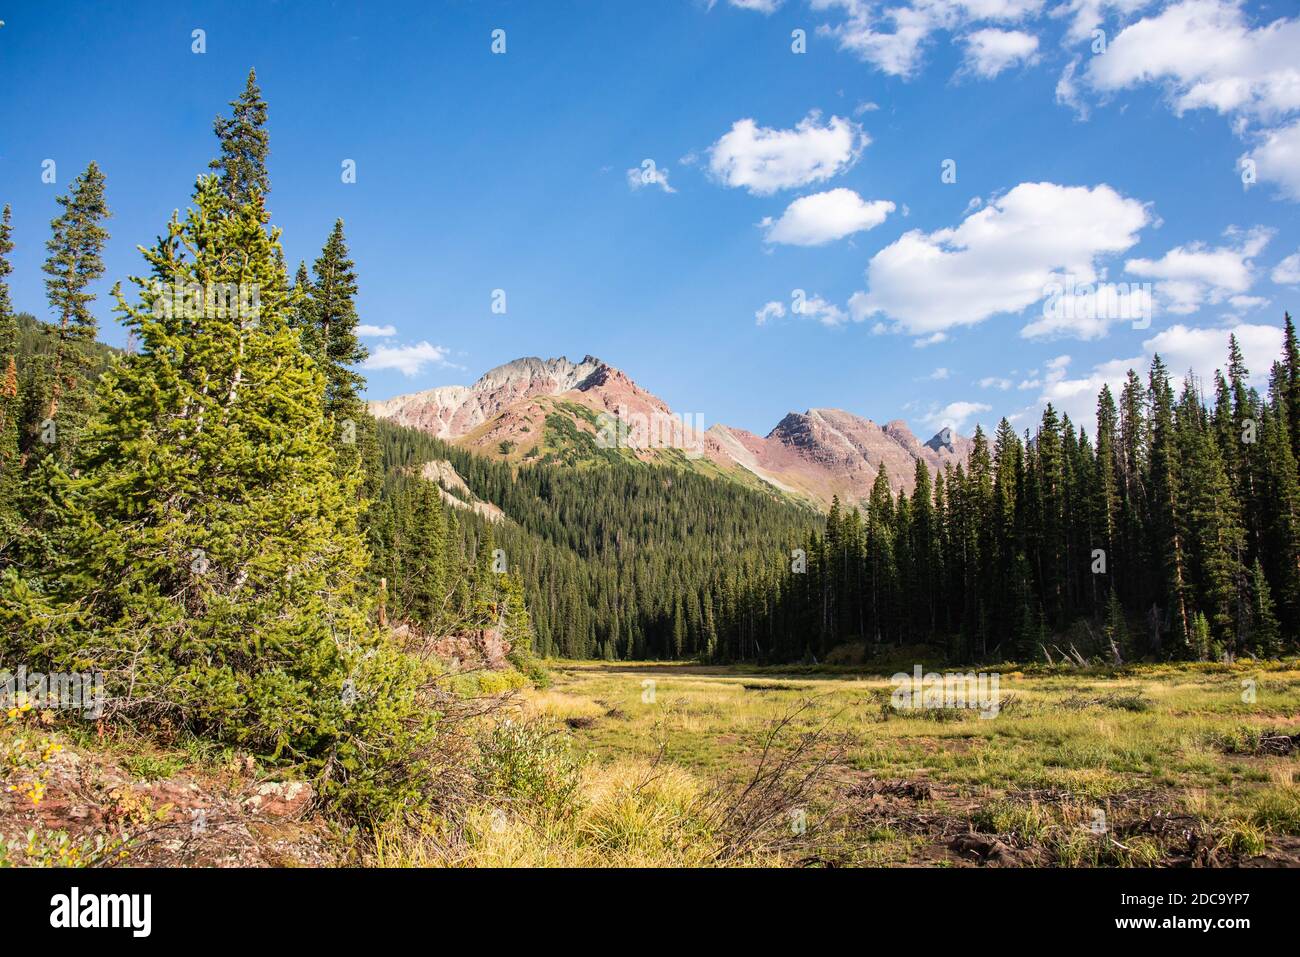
(1146, 765)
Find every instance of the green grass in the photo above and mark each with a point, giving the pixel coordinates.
(1135, 739)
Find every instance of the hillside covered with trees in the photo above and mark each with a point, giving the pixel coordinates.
(1173, 534)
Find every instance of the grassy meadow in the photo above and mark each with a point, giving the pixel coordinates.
(1148, 765)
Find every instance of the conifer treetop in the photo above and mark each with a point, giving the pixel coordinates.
(245, 147)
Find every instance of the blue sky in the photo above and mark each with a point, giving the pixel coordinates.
(1165, 150)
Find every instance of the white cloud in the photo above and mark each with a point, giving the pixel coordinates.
(1277, 159)
(1181, 348)
(1087, 15)
(1067, 90)
(648, 174)
(990, 51)
(1204, 350)
(1196, 275)
(1054, 371)
(770, 310)
(1087, 311)
(898, 50)
(995, 382)
(376, 332)
(1287, 272)
(812, 306)
(954, 415)
(758, 6)
(939, 374)
(764, 160)
(933, 339)
(1207, 56)
(824, 217)
(1000, 259)
(409, 360)
(815, 307)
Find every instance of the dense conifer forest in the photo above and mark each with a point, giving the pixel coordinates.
(1174, 533)
(617, 560)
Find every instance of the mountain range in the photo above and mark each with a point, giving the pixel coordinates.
(556, 410)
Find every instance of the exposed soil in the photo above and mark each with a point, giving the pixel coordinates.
(184, 820)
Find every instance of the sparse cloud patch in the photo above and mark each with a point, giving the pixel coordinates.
(410, 360)
(1195, 275)
(825, 217)
(990, 51)
(647, 175)
(1207, 56)
(1287, 272)
(954, 415)
(1000, 259)
(763, 160)
(1277, 159)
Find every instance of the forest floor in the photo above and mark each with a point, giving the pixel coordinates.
(1146, 765)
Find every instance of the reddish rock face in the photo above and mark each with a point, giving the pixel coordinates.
(815, 454)
(484, 648)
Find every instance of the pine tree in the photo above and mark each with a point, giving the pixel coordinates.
(10, 400)
(1280, 495)
(328, 321)
(300, 318)
(212, 555)
(75, 261)
(331, 335)
(1291, 384)
(925, 547)
(1215, 539)
(1200, 642)
(1166, 508)
(424, 582)
(1116, 629)
(1264, 638)
(244, 148)
(1105, 505)
(1049, 491)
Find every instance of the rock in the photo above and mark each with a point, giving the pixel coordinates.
(482, 648)
(279, 799)
(989, 849)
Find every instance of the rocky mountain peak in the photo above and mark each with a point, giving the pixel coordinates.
(553, 375)
(943, 440)
(814, 454)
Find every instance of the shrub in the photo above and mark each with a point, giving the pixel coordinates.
(528, 762)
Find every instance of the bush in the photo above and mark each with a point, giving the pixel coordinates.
(528, 762)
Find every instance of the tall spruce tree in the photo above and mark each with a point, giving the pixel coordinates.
(245, 146)
(10, 401)
(1291, 382)
(212, 555)
(75, 261)
(330, 335)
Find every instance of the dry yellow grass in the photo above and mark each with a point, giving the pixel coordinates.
(629, 814)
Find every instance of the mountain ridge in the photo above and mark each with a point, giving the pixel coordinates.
(536, 409)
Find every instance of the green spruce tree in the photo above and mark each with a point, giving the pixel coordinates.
(75, 260)
(244, 148)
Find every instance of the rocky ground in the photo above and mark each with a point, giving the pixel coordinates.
(84, 807)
